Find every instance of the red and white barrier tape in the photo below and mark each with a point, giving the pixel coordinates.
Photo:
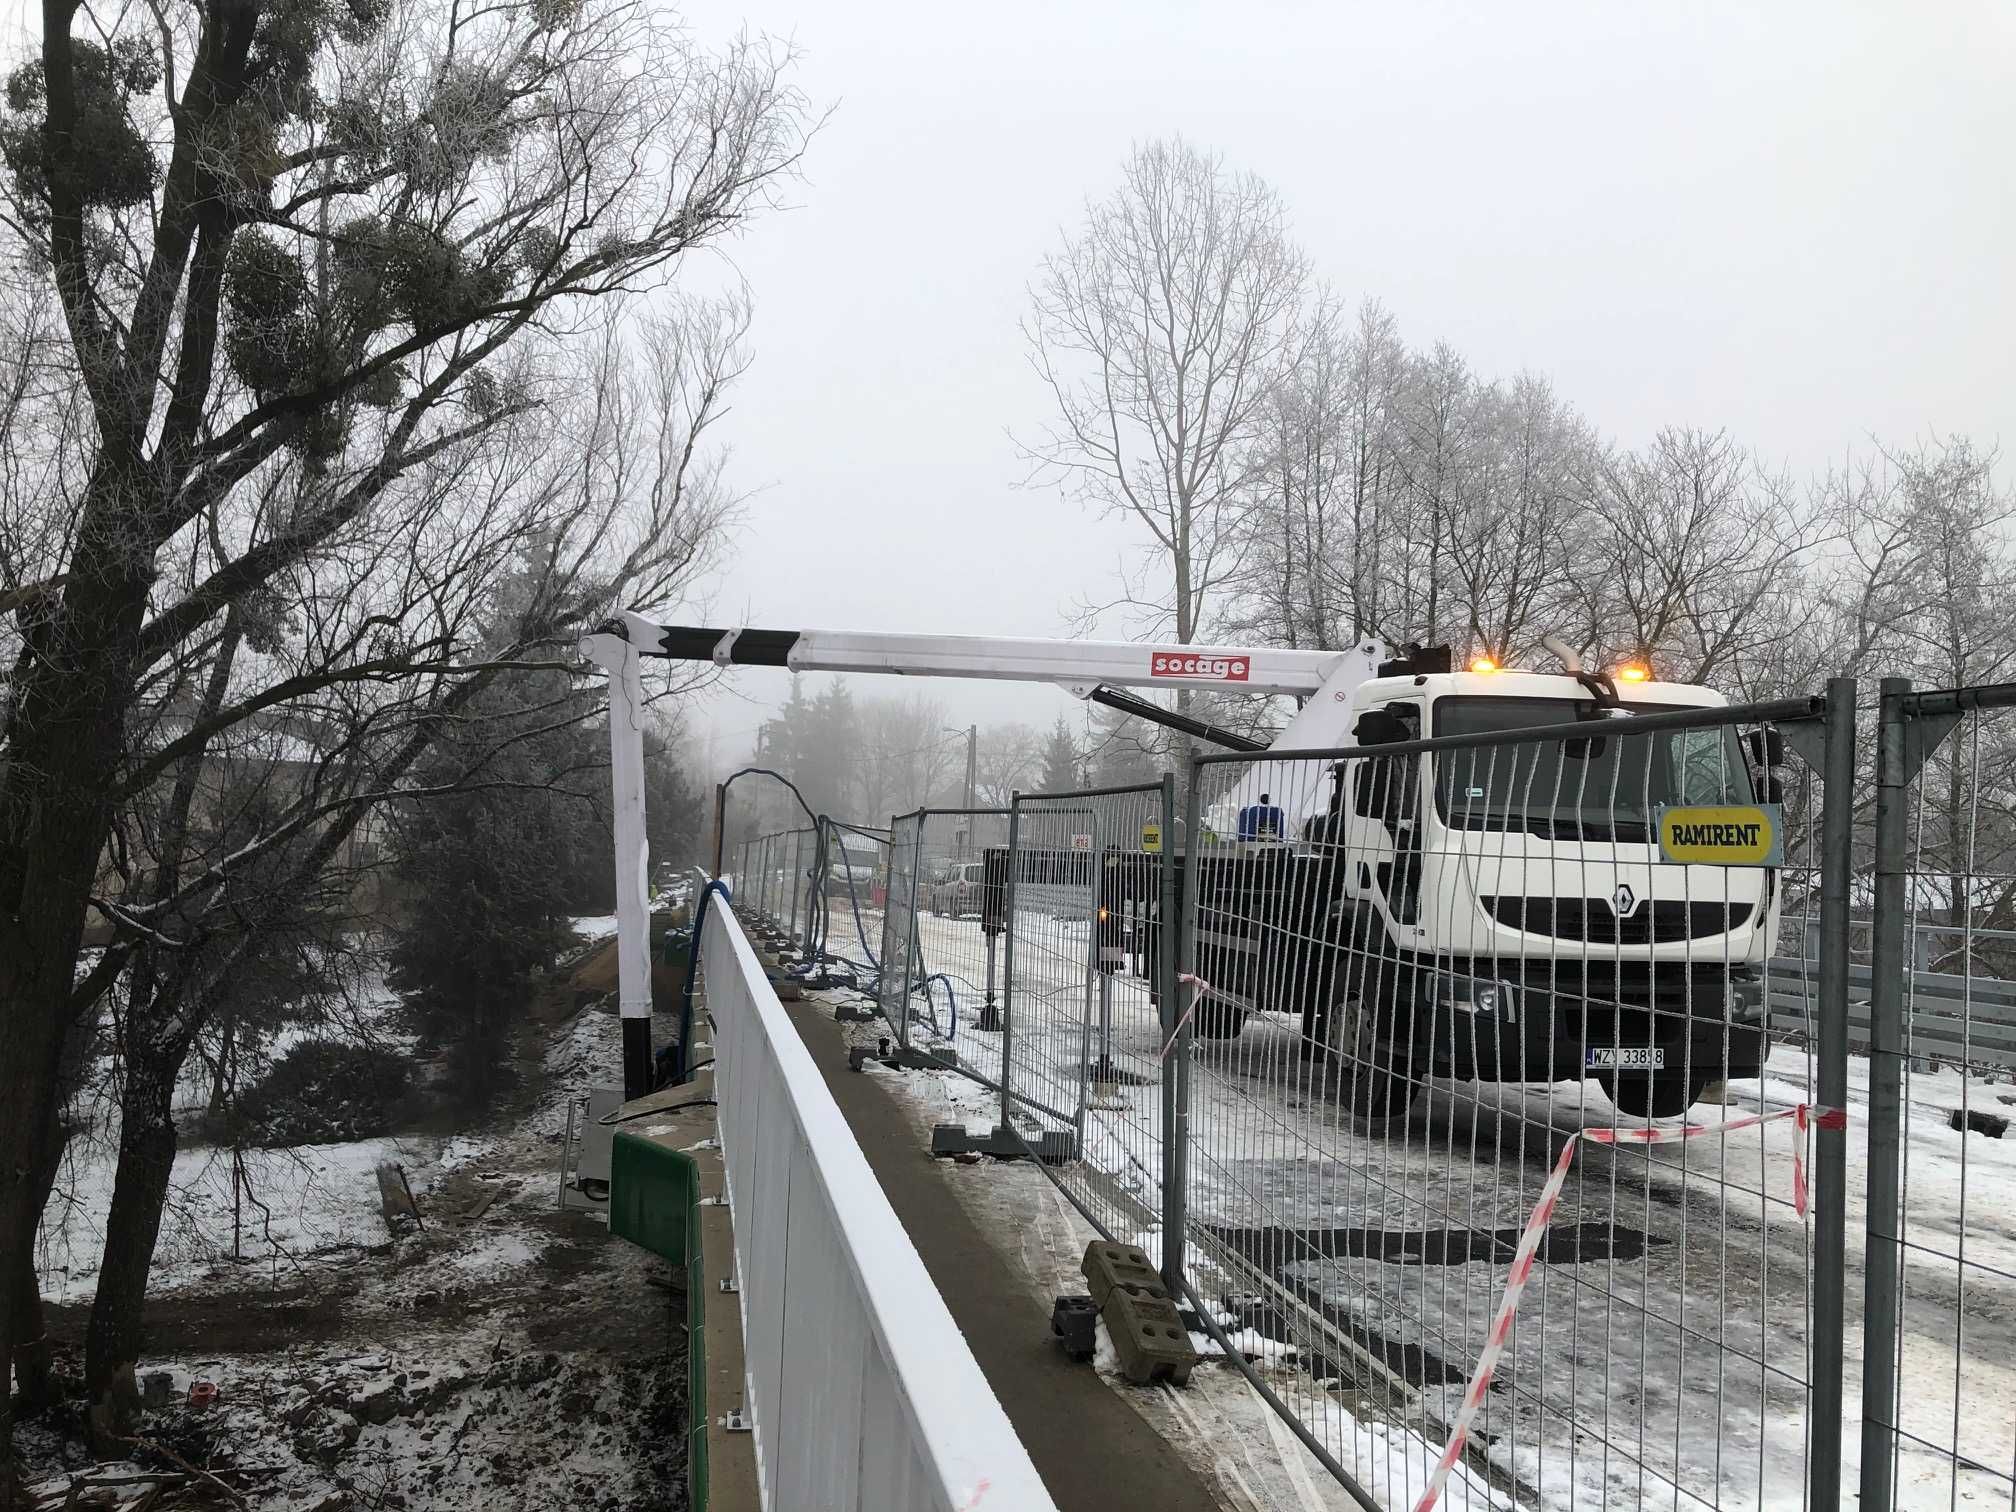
(1536, 1228)
(1198, 987)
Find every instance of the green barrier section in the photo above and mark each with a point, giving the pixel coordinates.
(652, 1192)
(653, 1202)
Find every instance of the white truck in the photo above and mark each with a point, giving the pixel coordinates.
(1450, 897)
(1476, 907)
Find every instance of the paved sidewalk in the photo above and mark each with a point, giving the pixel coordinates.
(1094, 1452)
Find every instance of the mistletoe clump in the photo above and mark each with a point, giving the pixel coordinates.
(102, 157)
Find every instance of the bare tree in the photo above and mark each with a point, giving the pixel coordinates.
(312, 242)
(1010, 761)
(905, 757)
(1690, 552)
(1299, 587)
(233, 839)
(1511, 531)
(1160, 329)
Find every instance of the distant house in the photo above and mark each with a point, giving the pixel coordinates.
(249, 774)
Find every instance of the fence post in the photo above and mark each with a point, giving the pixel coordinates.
(818, 907)
(1179, 952)
(908, 970)
(797, 881)
(1008, 959)
(1883, 1266)
(1830, 1239)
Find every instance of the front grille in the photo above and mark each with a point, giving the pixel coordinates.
(1593, 921)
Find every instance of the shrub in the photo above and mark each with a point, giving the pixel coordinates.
(324, 1092)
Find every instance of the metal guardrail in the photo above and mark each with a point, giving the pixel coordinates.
(1954, 1020)
(828, 1276)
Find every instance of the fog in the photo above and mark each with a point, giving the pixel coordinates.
(1790, 221)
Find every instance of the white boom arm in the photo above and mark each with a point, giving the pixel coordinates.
(1078, 665)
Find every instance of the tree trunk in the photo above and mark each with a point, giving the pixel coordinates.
(139, 1193)
(33, 1357)
(29, 1076)
(65, 733)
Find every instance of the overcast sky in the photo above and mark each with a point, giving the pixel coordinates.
(1792, 221)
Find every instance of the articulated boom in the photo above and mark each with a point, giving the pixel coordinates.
(1081, 667)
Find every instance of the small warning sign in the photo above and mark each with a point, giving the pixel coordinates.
(1729, 835)
(1151, 837)
(1081, 842)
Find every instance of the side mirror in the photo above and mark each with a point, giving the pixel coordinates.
(1767, 748)
(1377, 727)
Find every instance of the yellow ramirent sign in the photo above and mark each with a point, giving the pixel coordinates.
(1731, 835)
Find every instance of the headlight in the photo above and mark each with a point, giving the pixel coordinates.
(1746, 995)
(1467, 994)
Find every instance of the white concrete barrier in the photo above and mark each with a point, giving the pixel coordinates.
(863, 1393)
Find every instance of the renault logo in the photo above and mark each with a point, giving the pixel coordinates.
(1624, 901)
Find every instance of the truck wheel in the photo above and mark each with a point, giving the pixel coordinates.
(1658, 1094)
(1375, 1084)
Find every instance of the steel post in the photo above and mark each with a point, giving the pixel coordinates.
(1178, 959)
(797, 875)
(1103, 1068)
(913, 948)
(990, 1011)
(1008, 959)
(1092, 973)
(1888, 963)
(1830, 1158)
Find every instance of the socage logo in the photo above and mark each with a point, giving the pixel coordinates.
(1191, 667)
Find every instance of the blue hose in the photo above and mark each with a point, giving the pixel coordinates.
(860, 929)
(682, 1060)
(951, 998)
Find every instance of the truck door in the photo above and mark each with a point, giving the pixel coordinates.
(1387, 791)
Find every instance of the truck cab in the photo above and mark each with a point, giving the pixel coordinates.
(1460, 903)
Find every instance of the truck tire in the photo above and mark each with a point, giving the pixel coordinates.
(1657, 1094)
(1375, 1082)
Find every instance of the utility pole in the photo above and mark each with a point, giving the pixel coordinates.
(972, 762)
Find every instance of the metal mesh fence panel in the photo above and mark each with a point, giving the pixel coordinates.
(940, 977)
(799, 849)
(899, 922)
(1937, 1009)
(1082, 1039)
(1437, 971)
(858, 862)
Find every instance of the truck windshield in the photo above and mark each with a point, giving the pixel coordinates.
(1595, 786)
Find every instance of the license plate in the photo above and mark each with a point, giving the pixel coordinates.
(1625, 1058)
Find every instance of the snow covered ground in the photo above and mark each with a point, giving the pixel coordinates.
(1663, 1351)
(509, 1355)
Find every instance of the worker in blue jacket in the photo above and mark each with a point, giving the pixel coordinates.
(1262, 821)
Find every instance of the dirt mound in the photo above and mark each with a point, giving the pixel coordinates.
(425, 1433)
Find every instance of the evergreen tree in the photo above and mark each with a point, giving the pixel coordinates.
(1060, 759)
(486, 850)
(485, 905)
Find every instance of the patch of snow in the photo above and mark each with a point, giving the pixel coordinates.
(287, 1202)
